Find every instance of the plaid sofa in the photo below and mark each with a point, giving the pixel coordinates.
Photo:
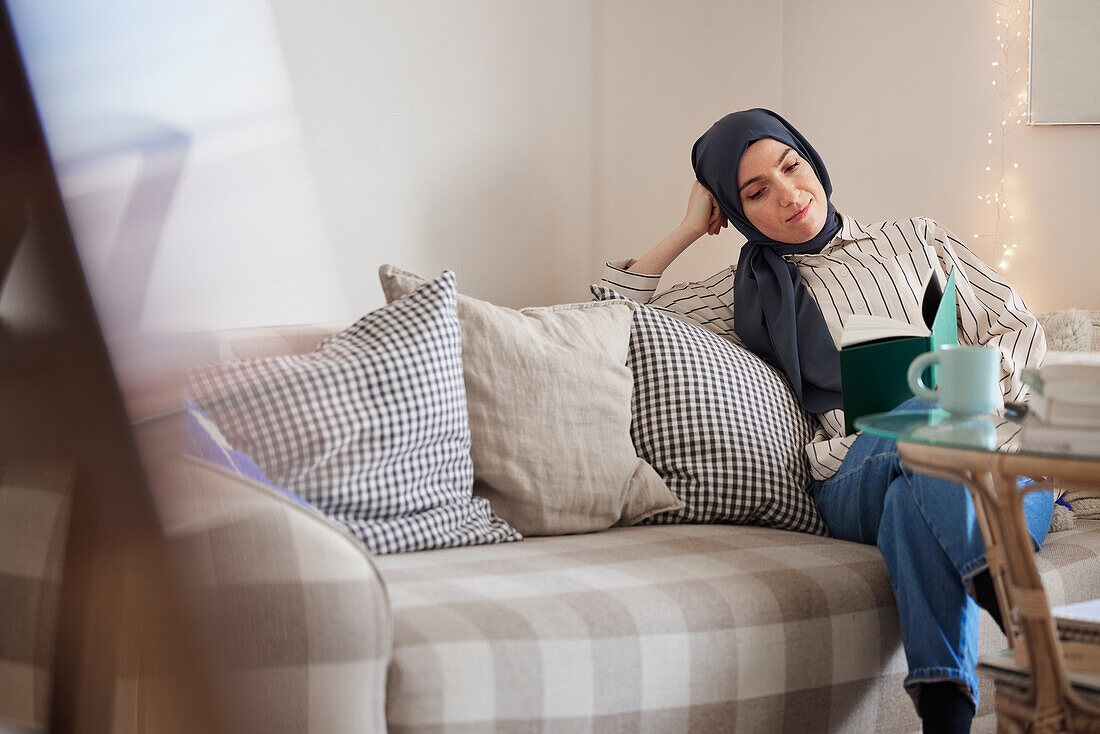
(690, 628)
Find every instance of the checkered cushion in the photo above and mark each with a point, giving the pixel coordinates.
(721, 427)
(204, 440)
(371, 427)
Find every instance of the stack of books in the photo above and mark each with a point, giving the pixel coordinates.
(1064, 410)
(1078, 628)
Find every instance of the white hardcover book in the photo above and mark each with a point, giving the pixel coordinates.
(1008, 667)
(1039, 436)
(1071, 376)
(1058, 411)
(1084, 615)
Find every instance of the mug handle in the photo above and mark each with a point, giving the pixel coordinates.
(916, 370)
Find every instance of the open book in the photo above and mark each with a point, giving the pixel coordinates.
(875, 352)
(862, 329)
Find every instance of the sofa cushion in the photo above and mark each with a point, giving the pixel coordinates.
(720, 425)
(205, 441)
(370, 427)
(692, 628)
(548, 392)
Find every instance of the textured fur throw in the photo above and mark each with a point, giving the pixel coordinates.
(1067, 331)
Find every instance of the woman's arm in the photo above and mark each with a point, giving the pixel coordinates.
(703, 216)
(707, 303)
(663, 253)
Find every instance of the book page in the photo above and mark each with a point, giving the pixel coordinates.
(931, 297)
(861, 329)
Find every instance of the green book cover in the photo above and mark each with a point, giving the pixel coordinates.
(872, 372)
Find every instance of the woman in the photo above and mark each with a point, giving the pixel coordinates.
(803, 271)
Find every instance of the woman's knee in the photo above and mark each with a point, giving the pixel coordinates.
(903, 523)
(911, 494)
(915, 490)
(915, 502)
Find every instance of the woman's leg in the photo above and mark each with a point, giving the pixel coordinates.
(929, 537)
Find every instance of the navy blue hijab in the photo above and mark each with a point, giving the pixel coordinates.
(774, 314)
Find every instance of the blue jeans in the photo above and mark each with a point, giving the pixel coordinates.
(928, 533)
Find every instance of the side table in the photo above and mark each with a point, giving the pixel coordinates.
(985, 455)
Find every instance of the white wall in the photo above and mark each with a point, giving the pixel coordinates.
(666, 74)
(517, 143)
(450, 135)
(523, 143)
(897, 97)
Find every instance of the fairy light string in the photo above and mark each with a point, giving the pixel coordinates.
(1010, 84)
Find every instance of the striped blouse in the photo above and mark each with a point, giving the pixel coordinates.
(877, 270)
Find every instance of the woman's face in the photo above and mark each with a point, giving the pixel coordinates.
(780, 193)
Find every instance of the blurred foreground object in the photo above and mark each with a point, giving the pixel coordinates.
(82, 562)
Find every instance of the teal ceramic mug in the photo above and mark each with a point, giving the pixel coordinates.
(968, 378)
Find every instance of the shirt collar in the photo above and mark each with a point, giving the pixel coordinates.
(850, 231)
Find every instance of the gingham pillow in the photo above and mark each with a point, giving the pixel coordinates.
(205, 441)
(722, 427)
(371, 427)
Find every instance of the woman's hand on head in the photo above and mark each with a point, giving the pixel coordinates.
(704, 216)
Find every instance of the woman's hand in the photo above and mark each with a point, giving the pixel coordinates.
(704, 216)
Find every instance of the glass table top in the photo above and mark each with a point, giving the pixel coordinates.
(993, 432)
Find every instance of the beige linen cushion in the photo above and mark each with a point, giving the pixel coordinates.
(548, 392)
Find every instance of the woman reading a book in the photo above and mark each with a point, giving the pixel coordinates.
(804, 269)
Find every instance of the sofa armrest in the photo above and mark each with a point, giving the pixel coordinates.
(269, 341)
(291, 613)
